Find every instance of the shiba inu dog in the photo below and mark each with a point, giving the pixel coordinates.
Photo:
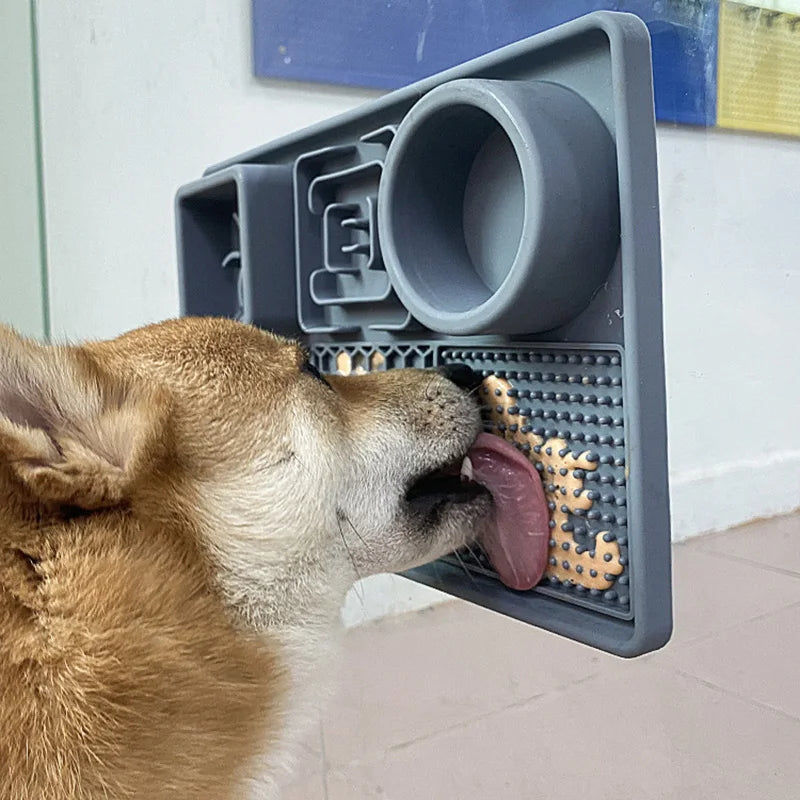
(182, 511)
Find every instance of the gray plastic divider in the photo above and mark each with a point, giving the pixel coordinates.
(502, 214)
(220, 228)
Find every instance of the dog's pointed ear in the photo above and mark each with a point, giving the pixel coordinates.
(71, 434)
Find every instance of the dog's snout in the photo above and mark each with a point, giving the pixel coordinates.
(462, 376)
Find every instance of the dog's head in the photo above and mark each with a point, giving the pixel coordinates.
(284, 476)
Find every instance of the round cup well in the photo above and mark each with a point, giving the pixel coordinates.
(498, 207)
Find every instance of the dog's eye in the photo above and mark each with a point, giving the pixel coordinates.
(311, 370)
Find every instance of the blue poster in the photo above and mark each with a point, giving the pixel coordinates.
(389, 43)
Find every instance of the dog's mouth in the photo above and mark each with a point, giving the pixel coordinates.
(453, 482)
(517, 532)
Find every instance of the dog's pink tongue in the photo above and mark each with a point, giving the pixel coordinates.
(516, 540)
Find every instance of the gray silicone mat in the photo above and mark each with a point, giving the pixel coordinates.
(503, 214)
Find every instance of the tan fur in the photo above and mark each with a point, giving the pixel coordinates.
(181, 512)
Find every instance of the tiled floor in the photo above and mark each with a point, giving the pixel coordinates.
(458, 703)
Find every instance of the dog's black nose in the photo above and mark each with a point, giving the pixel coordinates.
(462, 376)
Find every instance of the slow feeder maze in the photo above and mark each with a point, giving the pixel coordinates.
(504, 215)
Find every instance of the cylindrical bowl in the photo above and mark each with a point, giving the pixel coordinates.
(498, 208)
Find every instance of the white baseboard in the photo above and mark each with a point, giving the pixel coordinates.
(721, 497)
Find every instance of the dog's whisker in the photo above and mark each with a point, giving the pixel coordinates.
(355, 531)
(347, 547)
(472, 553)
(359, 594)
(464, 566)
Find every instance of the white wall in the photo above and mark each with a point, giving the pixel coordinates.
(137, 98)
(730, 208)
(140, 97)
(21, 289)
